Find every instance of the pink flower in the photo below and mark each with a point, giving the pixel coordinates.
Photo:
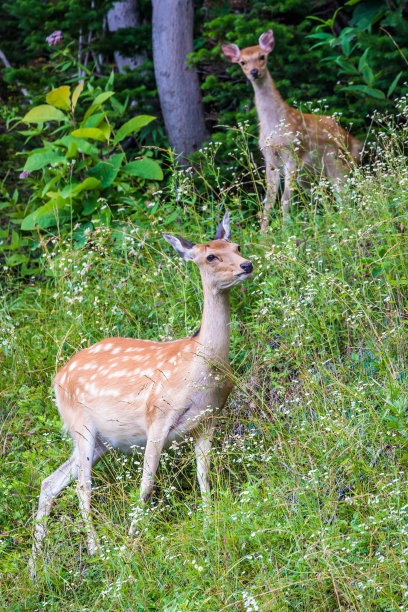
(24, 174)
(54, 38)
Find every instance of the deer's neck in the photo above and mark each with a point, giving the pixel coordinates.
(214, 334)
(270, 105)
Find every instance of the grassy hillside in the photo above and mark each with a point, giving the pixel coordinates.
(310, 463)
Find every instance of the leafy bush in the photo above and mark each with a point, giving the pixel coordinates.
(78, 171)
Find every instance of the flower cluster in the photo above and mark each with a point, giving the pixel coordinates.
(54, 38)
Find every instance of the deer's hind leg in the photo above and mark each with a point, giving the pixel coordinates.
(51, 487)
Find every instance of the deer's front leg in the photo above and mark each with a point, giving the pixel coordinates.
(154, 446)
(272, 186)
(290, 176)
(202, 450)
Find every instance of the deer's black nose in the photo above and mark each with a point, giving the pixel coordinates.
(255, 72)
(247, 267)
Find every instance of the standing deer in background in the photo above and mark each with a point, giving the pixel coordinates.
(288, 138)
(125, 392)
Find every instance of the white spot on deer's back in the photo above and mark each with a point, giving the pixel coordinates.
(117, 373)
(72, 366)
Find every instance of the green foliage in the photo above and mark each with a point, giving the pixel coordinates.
(370, 54)
(71, 172)
(310, 461)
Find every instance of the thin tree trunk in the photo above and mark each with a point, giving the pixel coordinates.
(7, 64)
(125, 15)
(177, 83)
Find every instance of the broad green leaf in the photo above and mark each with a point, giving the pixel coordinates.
(40, 160)
(368, 91)
(42, 113)
(133, 125)
(144, 168)
(84, 146)
(69, 190)
(77, 92)
(94, 133)
(95, 119)
(96, 103)
(50, 184)
(45, 216)
(60, 97)
(106, 171)
(104, 127)
(87, 185)
(72, 150)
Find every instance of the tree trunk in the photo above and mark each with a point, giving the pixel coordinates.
(125, 15)
(177, 83)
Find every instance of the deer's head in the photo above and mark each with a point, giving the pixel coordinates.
(253, 60)
(220, 261)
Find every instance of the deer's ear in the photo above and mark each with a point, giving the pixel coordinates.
(267, 41)
(232, 52)
(224, 231)
(183, 247)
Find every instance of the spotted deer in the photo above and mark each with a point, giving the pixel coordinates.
(289, 139)
(122, 392)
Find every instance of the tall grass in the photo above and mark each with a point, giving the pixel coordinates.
(309, 465)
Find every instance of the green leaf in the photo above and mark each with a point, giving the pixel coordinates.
(347, 66)
(89, 133)
(393, 84)
(368, 75)
(16, 259)
(60, 97)
(72, 150)
(363, 60)
(87, 185)
(145, 168)
(84, 146)
(106, 171)
(40, 160)
(42, 113)
(133, 125)
(95, 119)
(100, 99)
(77, 92)
(368, 91)
(45, 216)
(50, 184)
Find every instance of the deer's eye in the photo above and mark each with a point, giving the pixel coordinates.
(239, 249)
(261, 57)
(211, 257)
(242, 63)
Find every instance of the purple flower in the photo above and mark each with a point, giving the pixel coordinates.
(24, 174)
(54, 38)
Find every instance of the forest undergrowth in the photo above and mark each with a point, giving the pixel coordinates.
(310, 461)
